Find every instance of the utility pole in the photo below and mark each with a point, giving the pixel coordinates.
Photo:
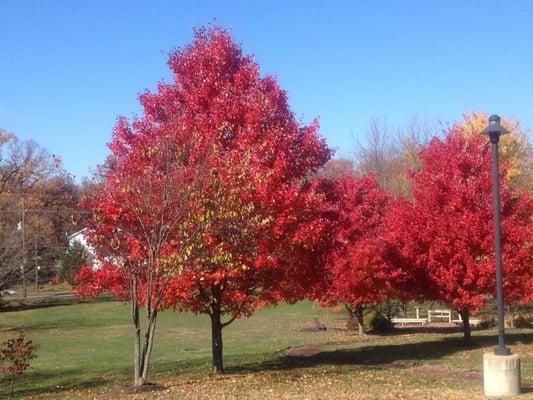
(23, 267)
(36, 263)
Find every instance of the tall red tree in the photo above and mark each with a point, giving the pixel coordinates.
(444, 236)
(262, 157)
(356, 272)
(242, 162)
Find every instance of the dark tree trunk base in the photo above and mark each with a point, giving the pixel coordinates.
(355, 315)
(359, 315)
(466, 328)
(216, 338)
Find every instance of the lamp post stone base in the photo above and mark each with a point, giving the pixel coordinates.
(501, 375)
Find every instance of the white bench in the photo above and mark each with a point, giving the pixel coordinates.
(417, 320)
(440, 314)
(404, 321)
(471, 321)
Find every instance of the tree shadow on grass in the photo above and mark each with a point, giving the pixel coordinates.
(40, 383)
(412, 330)
(32, 384)
(380, 354)
(13, 305)
(526, 389)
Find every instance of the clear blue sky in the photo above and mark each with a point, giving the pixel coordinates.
(69, 68)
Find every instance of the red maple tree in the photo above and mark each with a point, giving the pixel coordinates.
(261, 160)
(214, 234)
(143, 212)
(443, 237)
(356, 272)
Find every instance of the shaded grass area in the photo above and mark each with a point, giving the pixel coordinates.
(44, 300)
(86, 351)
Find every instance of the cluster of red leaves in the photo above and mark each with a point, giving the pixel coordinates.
(106, 278)
(517, 252)
(356, 271)
(443, 237)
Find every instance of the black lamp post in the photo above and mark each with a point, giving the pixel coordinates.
(494, 131)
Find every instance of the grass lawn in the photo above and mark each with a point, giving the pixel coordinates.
(86, 352)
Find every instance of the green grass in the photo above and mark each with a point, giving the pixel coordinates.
(87, 348)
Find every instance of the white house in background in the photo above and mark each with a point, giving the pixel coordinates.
(81, 237)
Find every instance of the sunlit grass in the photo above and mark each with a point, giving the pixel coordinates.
(89, 347)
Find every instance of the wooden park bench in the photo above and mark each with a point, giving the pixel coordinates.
(472, 321)
(447, 314)
(403, 321)
(440, 314)
(432, 315)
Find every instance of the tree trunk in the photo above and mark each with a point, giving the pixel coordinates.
(466, 327)
(351, 318)
(216, 340)
(356, 315)
(359, 317)
(509, 312)
(403, 308)
(12, 385)
(142, 355)
(137, 381)
(148, 344)
(389, 311)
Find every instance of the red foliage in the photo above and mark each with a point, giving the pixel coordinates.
(356, 271)
(252, 201)
(202, 191)
(107, 278)
(444, 236)
(517, 251)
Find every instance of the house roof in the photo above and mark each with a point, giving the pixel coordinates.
(80, 232)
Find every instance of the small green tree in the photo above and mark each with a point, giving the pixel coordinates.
(15, 356)
(390, 308)
(72, 260)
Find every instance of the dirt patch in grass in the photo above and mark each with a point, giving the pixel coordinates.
(302, 351)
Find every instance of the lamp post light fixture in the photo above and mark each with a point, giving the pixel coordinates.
(494, 131)
(501, 369)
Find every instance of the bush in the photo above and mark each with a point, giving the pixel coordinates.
(522, 322)
(15, 356)
(390, 308)
(487, 321)
(375, 322)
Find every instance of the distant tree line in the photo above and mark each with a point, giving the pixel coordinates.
(38, 209)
